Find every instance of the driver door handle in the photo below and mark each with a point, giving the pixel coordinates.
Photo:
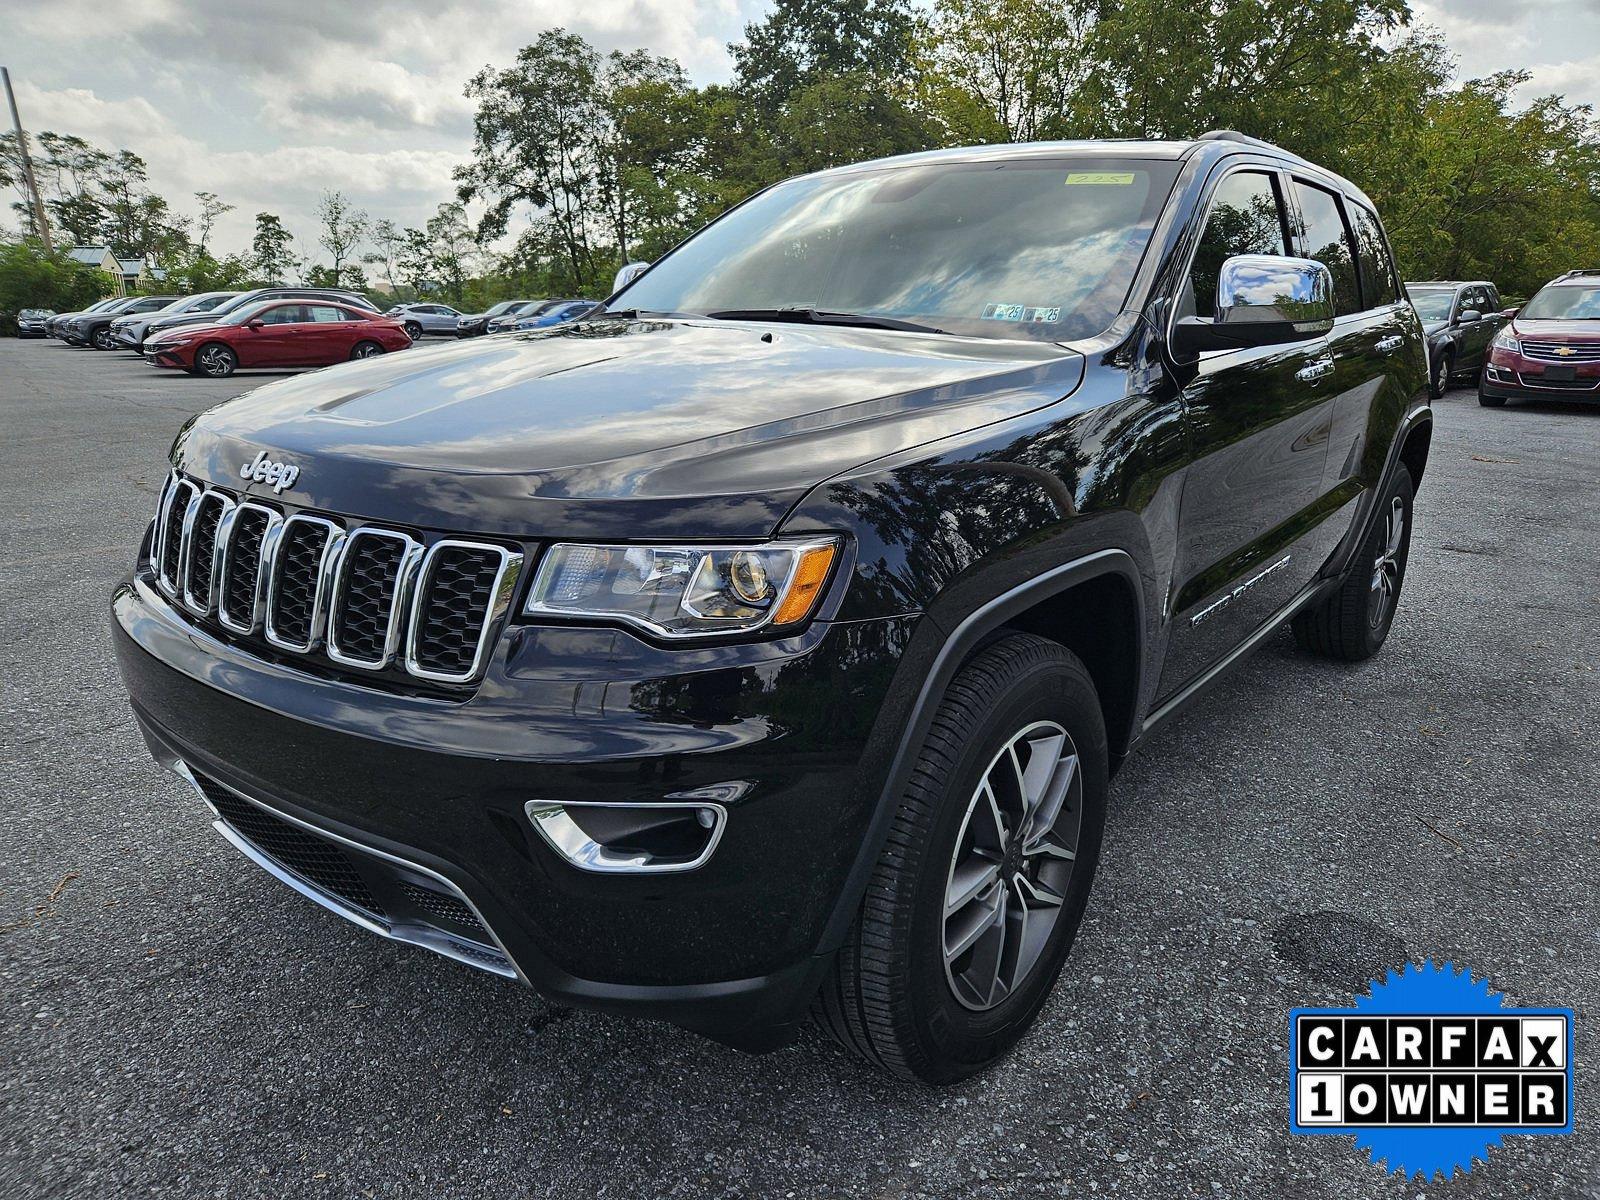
(1315, 371)
(1390, 344)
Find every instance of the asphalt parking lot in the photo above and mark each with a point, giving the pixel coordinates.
(174, 1022)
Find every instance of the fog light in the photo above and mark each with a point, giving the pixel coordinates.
(677, 833)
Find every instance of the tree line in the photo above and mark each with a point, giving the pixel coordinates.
(581, 161)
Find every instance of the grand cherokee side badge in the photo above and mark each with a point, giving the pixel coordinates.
(279, 476)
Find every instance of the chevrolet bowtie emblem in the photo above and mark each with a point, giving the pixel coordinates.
(1565, 351)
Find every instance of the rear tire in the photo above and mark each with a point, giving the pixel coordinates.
(976, 898)
(215, 361)
(366, 350)
(1353, 623)
(1439, 379)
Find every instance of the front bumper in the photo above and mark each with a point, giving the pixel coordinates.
(1506, 382)
(733, 950)
(181, 357)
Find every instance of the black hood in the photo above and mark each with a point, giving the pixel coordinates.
(618, 428)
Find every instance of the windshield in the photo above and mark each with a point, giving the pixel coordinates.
(1432, 304)
(1563, 303)
(505, 306)
(1035, 248)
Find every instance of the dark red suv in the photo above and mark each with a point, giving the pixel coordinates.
(1550, 349)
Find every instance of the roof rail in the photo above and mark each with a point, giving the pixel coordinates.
(1233, 135)
(1580, 272)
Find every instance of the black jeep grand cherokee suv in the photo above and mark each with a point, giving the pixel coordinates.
(766, 643)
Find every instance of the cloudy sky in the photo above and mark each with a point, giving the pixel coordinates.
(268, 103)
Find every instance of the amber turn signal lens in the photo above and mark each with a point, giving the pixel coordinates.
(810, 573)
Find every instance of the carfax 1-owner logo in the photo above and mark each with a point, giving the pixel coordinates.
(1430, 1070)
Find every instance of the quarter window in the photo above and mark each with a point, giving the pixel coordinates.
(1377, 269)
(1324, 237)
(1246, 217)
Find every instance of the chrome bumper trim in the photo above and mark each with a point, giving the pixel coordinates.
(426, 936)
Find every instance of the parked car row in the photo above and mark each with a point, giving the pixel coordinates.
(1547, 349)
(216, 333)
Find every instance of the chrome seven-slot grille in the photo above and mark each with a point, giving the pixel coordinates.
(370, 598)
(1574, 352)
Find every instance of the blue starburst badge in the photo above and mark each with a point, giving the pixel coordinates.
(1430, 1070)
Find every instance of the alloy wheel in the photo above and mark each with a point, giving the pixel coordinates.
(214, 360)
(368, 350)
(1012, 865)
(1386, 567)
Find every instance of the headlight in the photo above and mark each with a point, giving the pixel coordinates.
(1505, 340)
(685, 591)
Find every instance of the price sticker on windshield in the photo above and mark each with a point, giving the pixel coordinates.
(1100, 178)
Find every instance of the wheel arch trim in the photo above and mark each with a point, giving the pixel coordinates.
(957, 645)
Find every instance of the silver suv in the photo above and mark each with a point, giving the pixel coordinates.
(425, 318)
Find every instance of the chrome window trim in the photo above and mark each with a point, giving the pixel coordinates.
(203, 605)
(268, 541)
(171, 586)
(410, 558)
(505, 584)
(331, 546)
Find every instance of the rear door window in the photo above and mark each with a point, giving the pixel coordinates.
(1246, 217)
(323, 313)
(1377, 268)
(1325, 237)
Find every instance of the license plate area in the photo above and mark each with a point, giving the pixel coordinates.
(1565, 374)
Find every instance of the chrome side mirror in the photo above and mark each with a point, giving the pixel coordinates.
(1262, 300)
(627, 275)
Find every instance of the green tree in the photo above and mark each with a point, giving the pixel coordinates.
(1279, 69)
(272, 249)
(386, 238)
(344, 227)
(210, 209)
(1002, 70)
(30, 278)
(803, 42)
(535, 146)
(452, 249)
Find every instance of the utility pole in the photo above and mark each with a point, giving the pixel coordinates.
(40, 220)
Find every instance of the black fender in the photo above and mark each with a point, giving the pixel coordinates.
(944, 650)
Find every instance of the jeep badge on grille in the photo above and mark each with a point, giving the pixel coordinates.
(279, 476)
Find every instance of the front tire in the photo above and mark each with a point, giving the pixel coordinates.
(1353, 623)
(1439, 379)
(215, 361)
(976, 898)
(413, 331)
(1489, 401)
(101, 340)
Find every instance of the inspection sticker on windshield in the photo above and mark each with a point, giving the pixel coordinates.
(1102, 178)
(1020, 312)
(1430, 1070)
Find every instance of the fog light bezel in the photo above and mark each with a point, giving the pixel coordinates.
(574, 846)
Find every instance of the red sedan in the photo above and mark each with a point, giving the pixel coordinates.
(277, 333)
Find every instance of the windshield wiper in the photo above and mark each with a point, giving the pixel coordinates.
(818, 316)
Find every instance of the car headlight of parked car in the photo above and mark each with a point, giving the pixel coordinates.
(685, 591)
(1506, 340)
